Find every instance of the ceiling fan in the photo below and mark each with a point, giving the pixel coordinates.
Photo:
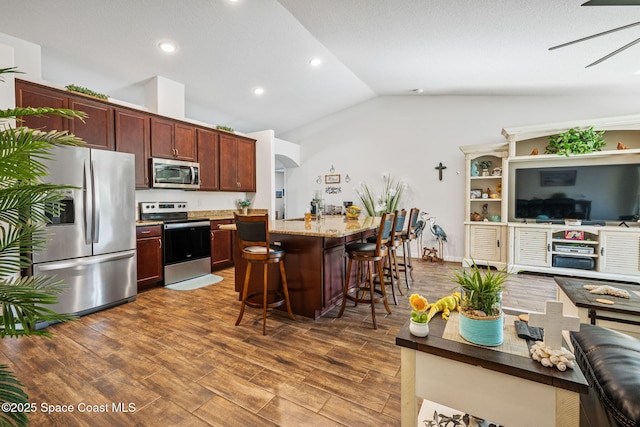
(606, 3)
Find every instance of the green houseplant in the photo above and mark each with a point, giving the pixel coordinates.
(388, 199)
(481, 304)
(576, 141)
(23, 298)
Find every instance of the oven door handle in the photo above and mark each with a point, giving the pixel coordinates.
(178, 225)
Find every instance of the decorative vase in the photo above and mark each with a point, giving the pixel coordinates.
(481, 330)
(419, 329)
(485, 172)
(245, 210)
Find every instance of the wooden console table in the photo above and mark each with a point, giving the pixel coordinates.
(505, 388)
(623, 315)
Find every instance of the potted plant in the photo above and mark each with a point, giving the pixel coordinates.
(419, 325)
(481, 316)
(24, 298)
(485, 165)
(388, 199)
(575, 141)
(244, 205)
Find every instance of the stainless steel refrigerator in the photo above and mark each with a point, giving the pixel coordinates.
(92, 244)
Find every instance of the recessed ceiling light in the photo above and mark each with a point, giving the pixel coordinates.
(258, 91)
(314, 62)
(167, 46)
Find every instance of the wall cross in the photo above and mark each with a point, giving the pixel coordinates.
(440, 168)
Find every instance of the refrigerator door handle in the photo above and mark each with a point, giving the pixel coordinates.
(96, 204)
(82, 262)
(87, 202)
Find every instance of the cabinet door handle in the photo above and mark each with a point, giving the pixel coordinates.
(212, 235)
(160, 243)
(548, 247)
(145, 232)
(498, 243)
(602, 251)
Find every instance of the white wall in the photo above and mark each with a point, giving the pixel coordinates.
(408, 136)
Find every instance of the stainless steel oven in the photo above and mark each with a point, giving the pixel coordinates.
(186, 243)
(175, 174)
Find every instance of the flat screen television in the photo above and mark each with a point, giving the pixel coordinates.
(595, 193)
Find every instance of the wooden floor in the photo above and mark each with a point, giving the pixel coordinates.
(178, 359)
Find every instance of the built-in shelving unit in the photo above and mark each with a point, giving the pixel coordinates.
(605, 251)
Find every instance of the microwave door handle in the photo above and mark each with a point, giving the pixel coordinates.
(96, 204)
(193, 175)
(87, 196)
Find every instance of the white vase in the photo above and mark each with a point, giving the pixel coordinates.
(245, 210)
(419, 329)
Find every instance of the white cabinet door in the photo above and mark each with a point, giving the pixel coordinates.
(620, 252)
(486, 243)
(532, 247)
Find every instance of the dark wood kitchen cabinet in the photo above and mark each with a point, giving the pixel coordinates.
(237, 163)
(149, 256)
(97, 130)
(208, 159)
(173, 140)
(221, 245)
(133, 136)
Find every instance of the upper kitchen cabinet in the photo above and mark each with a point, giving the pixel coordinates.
(133, 136)
(98, 128)
(173, 140)
(237, 163)
(208, 159)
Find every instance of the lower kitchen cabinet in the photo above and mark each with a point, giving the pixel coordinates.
(149, 256)
(221, 245)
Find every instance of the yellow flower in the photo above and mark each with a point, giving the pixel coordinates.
(418, 302)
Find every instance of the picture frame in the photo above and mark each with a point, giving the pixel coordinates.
(475, 193)
(279, 194)
(332, 179)
(573, 235)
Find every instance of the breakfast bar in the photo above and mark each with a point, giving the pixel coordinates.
(315, 263)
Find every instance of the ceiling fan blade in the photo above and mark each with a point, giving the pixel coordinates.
(604, 33)
(615, 52)
(612, 3)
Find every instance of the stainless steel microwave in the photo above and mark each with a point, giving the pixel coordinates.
(167, 173)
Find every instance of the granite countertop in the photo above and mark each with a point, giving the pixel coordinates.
(328, 226)
(210, 215)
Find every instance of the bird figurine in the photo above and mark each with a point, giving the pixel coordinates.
(439, 234)
(621, 146)
(534, 152)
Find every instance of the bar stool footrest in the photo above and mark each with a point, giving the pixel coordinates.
(274, 299)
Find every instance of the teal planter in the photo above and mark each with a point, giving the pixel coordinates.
(480, 331)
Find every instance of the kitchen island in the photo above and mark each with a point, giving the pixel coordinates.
(315, 263)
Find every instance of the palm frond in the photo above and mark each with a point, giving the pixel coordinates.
(13, 70)
(22, 301)
(11, 392)
(42, 111)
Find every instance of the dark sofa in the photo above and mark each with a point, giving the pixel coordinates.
(610, 361)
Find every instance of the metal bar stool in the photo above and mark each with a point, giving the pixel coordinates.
(253, 239)
(407, 237)
(370, 254)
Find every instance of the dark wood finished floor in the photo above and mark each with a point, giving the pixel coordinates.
(177, 356)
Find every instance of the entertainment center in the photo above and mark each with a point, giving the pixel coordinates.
(571, 215)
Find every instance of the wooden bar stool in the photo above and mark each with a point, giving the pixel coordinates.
(395, 241)
(253, 239)
(371, 255)
(407, 237)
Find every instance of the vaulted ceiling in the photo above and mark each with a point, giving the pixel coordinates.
(368, 48)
